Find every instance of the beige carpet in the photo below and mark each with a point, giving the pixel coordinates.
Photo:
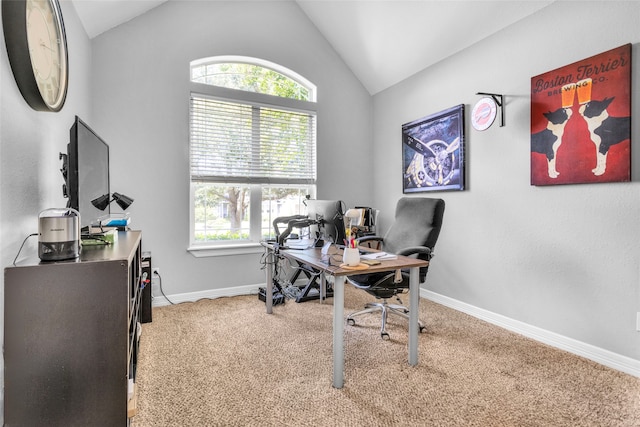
(225, 362)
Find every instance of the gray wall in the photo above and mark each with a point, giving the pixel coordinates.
(141, 100)
(562, 258)
(30, 141)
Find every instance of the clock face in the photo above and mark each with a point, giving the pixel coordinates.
(47, 50)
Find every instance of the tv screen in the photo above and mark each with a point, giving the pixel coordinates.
(87, 172)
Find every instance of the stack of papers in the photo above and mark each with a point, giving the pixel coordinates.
(379, 256)
(299, 244)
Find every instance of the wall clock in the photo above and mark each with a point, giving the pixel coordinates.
(484, 113)
(37, 49)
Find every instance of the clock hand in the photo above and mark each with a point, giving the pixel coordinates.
(43, 44)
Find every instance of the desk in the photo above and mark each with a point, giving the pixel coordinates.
(331, 266)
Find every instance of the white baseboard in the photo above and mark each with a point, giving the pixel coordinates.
(161, 300)
(604, 357)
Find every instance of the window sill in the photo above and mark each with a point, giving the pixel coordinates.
(225, 250)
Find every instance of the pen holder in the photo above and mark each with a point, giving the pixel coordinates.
(351, 257)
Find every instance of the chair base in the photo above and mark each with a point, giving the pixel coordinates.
(386, 309)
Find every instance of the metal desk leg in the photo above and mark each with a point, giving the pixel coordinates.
(269, 258)
(338, 332)
(414, 304)
(323, 287)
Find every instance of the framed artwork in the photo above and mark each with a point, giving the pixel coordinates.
(581, 121)
(433, 152)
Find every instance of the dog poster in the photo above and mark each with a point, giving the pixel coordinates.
(581, 121)
(433, 152)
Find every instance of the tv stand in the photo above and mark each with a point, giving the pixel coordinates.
(71, 337)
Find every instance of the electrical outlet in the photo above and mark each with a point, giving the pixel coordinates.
(155, 287)
(638, 321)
(156, 272)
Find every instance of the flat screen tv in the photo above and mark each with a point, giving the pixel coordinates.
(86, 171)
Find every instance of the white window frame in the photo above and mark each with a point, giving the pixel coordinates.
(226, 248)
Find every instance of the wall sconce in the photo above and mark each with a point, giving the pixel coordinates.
(103, 201)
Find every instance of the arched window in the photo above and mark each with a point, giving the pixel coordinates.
(257, 76)
(252, 148)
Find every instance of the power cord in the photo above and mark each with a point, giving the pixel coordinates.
(21, 246)
(281, 267)
(160, 285)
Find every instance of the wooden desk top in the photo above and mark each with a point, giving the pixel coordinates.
(330, 263)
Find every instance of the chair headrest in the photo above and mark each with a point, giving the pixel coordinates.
(418, 221)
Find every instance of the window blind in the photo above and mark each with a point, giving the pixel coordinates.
(235, 142)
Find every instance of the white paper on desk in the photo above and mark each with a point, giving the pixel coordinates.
(379, 256)
(299, 244)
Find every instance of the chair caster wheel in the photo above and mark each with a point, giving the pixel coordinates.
(385, 336)
(351, 322)
(422, 328)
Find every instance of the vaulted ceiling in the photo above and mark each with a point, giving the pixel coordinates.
(382, 41)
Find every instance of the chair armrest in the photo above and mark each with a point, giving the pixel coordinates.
(417, 250)
(370, 239)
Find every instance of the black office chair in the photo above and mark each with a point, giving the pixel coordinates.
(414, 233)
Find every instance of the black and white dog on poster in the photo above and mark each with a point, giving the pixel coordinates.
(605, 130)
(549, 140)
